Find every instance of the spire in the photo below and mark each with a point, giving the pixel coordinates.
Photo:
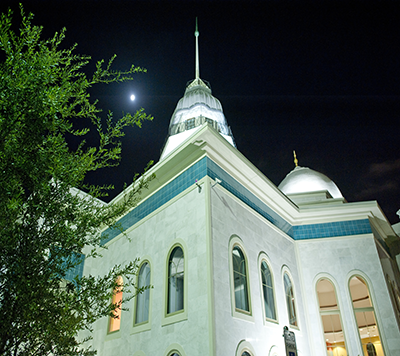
(197, 66)
(295, 159)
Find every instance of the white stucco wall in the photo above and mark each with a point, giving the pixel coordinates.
(231, 217)
(339, 259)
(182, 221)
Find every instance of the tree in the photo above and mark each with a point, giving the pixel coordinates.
(47, 222)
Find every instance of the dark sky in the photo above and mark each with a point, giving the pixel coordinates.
(319, 77)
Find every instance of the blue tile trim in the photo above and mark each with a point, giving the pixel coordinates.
(165, 194)
(207, 167)
(230, 184)
(332, 229)
(77, 270)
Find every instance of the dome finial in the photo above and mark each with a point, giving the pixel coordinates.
(295, 159)
(197, 68)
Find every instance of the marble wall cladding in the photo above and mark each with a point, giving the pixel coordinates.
(257, 235)
(182, 221)
(338, 259)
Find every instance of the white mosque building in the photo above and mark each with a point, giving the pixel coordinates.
(233, 259)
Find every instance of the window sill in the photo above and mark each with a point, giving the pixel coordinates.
(138, 328)
(237, 313)
(174, 318)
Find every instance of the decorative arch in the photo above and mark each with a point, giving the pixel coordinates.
(239, 275)
(366, 320)
(176, 284)
(290, 297)
(331, 318)
(142, 300)
(274, 351)
(244, 348)
(175, 350)
(267, 288)
(176, 297)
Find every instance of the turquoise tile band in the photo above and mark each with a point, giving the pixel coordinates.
(207, 167)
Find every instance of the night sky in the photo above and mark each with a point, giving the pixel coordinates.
(319, 77)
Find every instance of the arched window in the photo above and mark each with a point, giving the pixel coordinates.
(245, 354)
(365, 317)
(268, 291)
(331, 318)
(290, 301)
(142, 299)
(115, 322)
(175, 280)
(240, 280)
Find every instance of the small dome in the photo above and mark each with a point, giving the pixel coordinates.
(306, 180)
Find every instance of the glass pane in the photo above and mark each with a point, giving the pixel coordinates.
(245, 354)
(175, 280)
(240, 279)
(290, 303)
(359, 293)
(268, 292)
(333, 334)
(115, 323)
(369, 333)
(142, 300)
(366, 322)
(326, 295)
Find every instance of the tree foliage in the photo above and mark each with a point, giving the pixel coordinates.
(46, 222)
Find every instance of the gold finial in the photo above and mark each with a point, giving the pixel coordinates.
(295, 158)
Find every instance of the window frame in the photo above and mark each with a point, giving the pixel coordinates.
(244, 346)
(286, 271)
(264, 258)
(330, 312)
(170, 318)
(367, 309)
(235, 241)
(146, 325)
(175, 348)
(111, 320)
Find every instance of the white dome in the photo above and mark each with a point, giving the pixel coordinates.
(306, 180)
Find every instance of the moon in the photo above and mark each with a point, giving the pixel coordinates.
(133, 97)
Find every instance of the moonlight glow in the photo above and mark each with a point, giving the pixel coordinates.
(133, 97)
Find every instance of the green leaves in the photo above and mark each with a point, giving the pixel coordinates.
(44, 218)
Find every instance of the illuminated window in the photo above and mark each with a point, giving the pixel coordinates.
(365, 317)
(268, 291)
(290, 301)
(190, 124)
(115, 322)
(240, 280)
(175, 280)
(331, 318)
(142, 299)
